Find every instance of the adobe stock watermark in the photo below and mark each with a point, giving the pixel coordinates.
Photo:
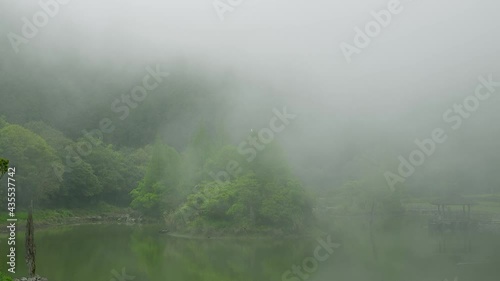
(255, 143)
(121, 106)
(31, 27)
(453, 116)
(250, 147)
(121, 276)
(372, 29)
(310, 264)
(223, 6)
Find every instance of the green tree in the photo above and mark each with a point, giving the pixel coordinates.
(79, 187)
(251, 195)
(270, 164)
(110, 168)
(248, 201)
(32, 156)
(158, 191)
(79, 183)
(286, 205)
(4, 166)
(4, 277)
(193, 160)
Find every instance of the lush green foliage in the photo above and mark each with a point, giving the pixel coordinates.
(4, 277)
(159, 189)
(4, 166)
(40, 155)
(261, 194)
(159, 180)
(31, 152)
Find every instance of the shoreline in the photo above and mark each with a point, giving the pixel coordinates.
(103, 218)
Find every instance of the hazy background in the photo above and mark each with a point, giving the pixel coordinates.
(266, 54)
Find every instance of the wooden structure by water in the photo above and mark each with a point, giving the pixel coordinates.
(453, 215)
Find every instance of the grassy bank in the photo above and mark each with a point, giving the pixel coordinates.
(47, 217)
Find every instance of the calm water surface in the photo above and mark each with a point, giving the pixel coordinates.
(400, 253)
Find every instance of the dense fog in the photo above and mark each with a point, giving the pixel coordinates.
(356, 107)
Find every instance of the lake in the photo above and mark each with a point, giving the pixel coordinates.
(394, 250)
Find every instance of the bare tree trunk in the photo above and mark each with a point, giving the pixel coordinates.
(252, 215)
(30, 244)
(372, 239)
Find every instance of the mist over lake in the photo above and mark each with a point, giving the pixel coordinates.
(249, 140)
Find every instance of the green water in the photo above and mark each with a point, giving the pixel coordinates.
(402, 252)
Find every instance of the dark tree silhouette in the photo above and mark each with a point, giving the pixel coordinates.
(30, 243)
(4, 166)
